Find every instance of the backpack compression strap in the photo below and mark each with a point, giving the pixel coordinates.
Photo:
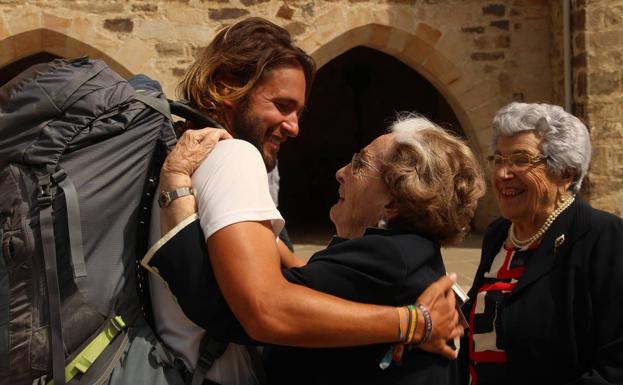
(157, 104)
(85, 360)
(47, 190)
(73, 222)
(46, 221)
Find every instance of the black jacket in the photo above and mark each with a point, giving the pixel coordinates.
(563, 322)
(382, 267)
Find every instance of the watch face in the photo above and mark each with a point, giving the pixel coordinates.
(163, 199)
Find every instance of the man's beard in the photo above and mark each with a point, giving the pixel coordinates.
(248, 128)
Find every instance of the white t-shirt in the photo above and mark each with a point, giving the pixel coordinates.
(230, 186)
(273, 184)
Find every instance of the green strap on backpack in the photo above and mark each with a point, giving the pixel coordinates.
(83, 361)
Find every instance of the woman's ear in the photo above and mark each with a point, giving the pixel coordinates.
(390, 211)
(566, 179)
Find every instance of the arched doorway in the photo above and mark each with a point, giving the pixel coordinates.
(8, 72)
(43, 44)
(352, 101)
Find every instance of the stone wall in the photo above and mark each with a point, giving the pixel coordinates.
(557, 53)
(598, 69)
(479, 55)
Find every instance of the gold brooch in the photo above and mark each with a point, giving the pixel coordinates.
(559, 241)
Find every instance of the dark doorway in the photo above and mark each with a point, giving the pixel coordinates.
(10, 71)
(352, 101)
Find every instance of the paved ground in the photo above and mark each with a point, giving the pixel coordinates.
(462, 260)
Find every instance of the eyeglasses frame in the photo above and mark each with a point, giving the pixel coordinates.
(533, 160)
(360, 171)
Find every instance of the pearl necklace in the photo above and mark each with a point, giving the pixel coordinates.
(548, 222)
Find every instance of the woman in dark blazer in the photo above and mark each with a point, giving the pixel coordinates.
(400, 199)
(546, 304)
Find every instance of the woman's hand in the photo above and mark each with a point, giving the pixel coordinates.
(439, 299)
(191, 149)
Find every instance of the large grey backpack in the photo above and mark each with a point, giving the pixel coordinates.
(80, 152)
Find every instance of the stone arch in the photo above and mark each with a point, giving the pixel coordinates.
(417, 52)
(31, 42)
(473, 101)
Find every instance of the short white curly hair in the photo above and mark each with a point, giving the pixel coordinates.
(565, 139)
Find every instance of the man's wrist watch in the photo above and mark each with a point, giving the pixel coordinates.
(166, 197)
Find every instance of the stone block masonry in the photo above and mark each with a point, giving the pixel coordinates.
(479, 54)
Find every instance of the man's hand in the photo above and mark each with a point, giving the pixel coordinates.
(439, 299)
(191, 149)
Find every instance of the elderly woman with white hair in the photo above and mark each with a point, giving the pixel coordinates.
(546, 301)
(400, 199)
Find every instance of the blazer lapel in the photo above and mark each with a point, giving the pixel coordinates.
(556, 243)
(491, 245)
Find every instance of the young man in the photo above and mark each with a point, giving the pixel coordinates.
(253, 81)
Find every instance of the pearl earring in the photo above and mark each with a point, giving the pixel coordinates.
(382, 223)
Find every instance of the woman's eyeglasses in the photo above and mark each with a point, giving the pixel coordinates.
(359, 165)
(516, 162)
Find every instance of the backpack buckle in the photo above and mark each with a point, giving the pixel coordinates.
(47, 185)
(44, 200)
(44, 196)
(58, 175)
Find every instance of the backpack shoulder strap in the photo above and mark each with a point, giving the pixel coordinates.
(209, 351)
(184, 110)
(258, 364)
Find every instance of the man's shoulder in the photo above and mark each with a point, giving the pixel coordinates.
(229, 146)
(231, 154)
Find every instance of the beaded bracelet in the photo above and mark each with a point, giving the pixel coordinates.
(428, 323)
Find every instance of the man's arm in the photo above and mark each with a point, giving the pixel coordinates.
(272, 310)
(246, 264)
(288, 258)
(247, 268)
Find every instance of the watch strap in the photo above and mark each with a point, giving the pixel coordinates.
(166, 197)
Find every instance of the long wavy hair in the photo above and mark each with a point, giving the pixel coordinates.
(235, 61)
